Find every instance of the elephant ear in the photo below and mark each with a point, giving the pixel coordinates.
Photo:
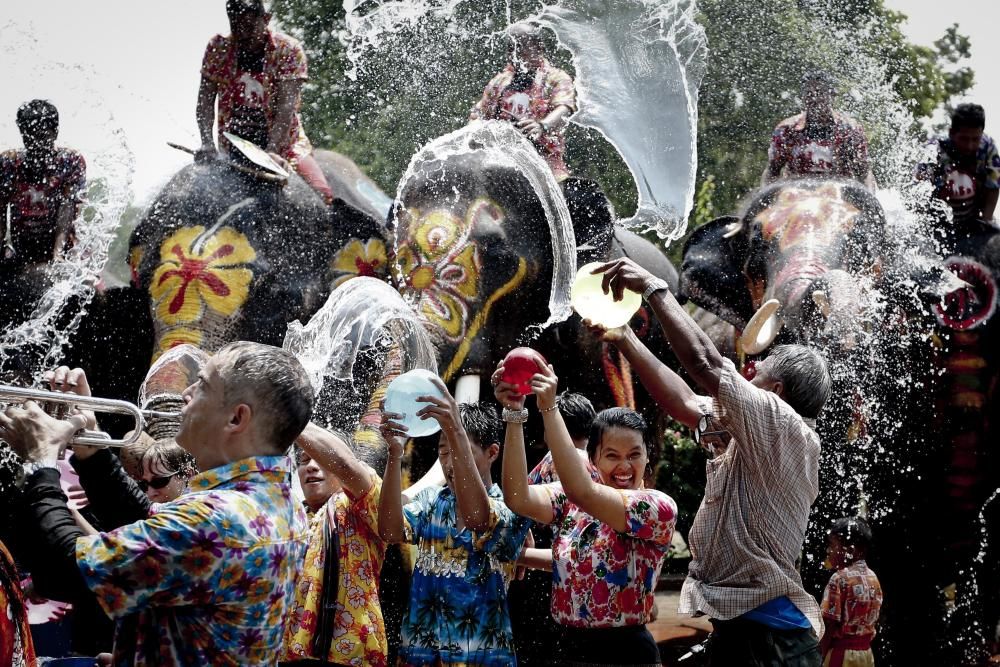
(712, 270)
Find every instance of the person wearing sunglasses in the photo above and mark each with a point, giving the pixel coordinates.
(166, 469)
(748, 532)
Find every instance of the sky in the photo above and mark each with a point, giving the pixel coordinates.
(126, 71)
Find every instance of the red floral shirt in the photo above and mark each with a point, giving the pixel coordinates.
(245, 97)
(551, 88)
(839, 150)
(853, 598)
(602, 578)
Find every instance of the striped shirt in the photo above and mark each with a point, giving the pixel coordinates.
(748, 532)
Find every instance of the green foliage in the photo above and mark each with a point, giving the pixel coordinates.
(680, 473)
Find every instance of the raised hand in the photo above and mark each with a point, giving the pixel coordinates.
(545, 384)
(74, 381)
(444, 410)
(602, 333)
(623, 274)
(393, 433)
(505, 393)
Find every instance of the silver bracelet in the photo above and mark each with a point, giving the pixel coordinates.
(515, 416)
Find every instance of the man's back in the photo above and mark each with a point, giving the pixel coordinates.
(207, 579)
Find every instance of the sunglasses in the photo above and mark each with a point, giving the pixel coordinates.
(704, 437)
(156, 483)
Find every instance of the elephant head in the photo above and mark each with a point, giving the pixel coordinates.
(476, 255)
(223, 256)
(793, 260)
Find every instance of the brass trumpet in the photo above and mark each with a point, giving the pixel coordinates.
(70, 402)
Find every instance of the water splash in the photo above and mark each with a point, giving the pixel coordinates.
(498, 148)
(638, 67)
(639, 64)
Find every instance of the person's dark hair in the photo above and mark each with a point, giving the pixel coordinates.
(853, 531)
(272, 382)
(578, 414)
(170, 456)
(482, 423)
(244, 7)
(803, 373)
(37, 113)
(619, 418)
(819, 77)
(968, 116)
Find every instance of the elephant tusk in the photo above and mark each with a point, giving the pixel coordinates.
(762, 328)
(732, 229)
(467, 389)
(822, 302)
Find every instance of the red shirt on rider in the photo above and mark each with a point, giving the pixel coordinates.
(534, 95)
(257, 75)
(819, 142)
(44, 187)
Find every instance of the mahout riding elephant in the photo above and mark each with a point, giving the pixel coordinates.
(913, 356)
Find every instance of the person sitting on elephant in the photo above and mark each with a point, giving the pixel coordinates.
(44, 186)
(539, 99)
(819, 142)
(965, 169)
(257, 75)
(747, 535)
(467, 541)
(206, 580)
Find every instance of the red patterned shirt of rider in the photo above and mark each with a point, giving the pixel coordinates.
(853, 598)
(837, 150)
(246, 97)
(550, 88)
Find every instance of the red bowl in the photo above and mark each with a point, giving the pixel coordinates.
(519, 366)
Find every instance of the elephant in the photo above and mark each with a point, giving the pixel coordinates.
(913, 356)
(488, 227)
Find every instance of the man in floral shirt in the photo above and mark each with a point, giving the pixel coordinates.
(819, 142)
(207, 579)
(44, 186)
(257, 76)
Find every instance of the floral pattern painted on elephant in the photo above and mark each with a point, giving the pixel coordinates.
(199, 275)
(440, 265)
(820, 215)
(360, 258)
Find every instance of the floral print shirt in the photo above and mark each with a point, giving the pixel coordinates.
(359, 630)
(853, 598)
(838, 150)
(602, 578)
(246, 106)
(545, 471)
(458, 595)
(207, 579)
(551, 88)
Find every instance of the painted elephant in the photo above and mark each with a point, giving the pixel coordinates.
(913, 357)
(484, 252)
(220, 255)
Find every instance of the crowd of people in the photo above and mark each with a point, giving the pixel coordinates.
(203, 551)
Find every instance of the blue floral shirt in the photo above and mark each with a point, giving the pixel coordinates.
(207, 579)
(458, 596)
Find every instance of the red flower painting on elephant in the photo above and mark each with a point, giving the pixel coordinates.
(360, 258)
(199, 274)
(440, 265)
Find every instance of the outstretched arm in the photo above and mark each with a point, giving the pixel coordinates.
(471, 496)
(693, 347)
(600, 501)
(989, 204)
(390, 502)
(667, 388)
(522, 498)
(335, 456)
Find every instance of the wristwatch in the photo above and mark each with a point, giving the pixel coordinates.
(515, 416)
(654, 287)
(31, 467)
